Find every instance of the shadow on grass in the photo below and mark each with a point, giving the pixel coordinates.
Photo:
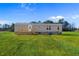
(70, 34)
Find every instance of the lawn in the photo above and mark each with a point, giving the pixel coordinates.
(66, 44)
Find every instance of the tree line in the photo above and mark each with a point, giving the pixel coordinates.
(7, 27)
(66, 26)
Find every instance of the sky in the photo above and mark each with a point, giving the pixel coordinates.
(27, 12)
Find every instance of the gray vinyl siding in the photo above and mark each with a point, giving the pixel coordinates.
(23, 27)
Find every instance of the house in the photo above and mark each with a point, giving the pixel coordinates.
(27, 28)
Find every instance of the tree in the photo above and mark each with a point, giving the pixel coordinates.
(0, 27)
(33, 22)
(61, 21)
(39, 22)
(12, 27)
(48, 22)
(73, 26)
(66, 26)
(6, 27)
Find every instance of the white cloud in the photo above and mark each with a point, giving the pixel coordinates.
(75, 16)
(27, 6)
(59, 17)
(52, 17)
(5, 22)
(68, 18)
(55, 18)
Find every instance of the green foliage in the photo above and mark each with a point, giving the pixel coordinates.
(48, 22)
(66, 26)
(39, 45)
(12, 27)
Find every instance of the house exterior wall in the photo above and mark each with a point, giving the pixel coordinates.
(24, 28)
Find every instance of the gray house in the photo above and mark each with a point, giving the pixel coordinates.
(27, 28)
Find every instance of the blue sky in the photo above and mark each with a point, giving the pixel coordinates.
(14, 12)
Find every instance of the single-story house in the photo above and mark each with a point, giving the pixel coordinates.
(27, 28)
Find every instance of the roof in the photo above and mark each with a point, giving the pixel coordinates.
(39, 23)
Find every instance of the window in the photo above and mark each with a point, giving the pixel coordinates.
(58, 28)
(48, 28)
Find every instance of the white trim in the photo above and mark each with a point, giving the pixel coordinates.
(29, 27)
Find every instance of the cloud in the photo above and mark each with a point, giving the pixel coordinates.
(53, 17)
(75, 17)
(59, 17)
(28, 6)
(71, 19)
(5, 22)
(56, 18)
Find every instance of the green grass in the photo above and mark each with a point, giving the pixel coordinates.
(66, 44)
